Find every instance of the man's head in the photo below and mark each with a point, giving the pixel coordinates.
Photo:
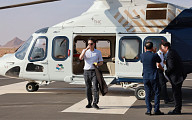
(149, 46)
(165, 46)
(91, 43)
(160, 48)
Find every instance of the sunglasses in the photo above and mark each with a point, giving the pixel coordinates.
(90, 43)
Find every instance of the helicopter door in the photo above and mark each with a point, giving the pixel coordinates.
(128, 50)
(60, 66)
(37, 65)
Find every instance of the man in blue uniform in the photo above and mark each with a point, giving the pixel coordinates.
(150, 76)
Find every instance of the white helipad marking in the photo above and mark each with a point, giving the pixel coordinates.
(4, 78)
(107, 104)
(15, 88)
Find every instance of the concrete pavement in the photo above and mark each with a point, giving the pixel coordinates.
(53, 102)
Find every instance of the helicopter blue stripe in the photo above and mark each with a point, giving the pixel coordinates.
(136, 80)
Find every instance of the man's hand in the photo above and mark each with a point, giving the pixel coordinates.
(154, 50)
(98, 64)
(88, 47)
(160, 67)
(83, 53)
(95, 63)
(164, 62)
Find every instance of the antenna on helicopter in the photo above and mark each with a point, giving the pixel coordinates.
(27, 3)
(133, 2)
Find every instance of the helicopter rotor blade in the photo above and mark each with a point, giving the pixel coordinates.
(28, 3)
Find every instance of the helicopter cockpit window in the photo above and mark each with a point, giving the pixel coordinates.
(130, 49)
(20, 53)
(39, 50)
(60, 48)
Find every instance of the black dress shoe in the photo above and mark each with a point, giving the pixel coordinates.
(88, 106)
(95, 106)
(148, 113)
(158, 113)
(174, 112)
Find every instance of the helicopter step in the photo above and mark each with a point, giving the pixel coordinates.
(79, 79)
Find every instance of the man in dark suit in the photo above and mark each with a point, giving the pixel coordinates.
(150, 74)
(175, 74)
(162, 80)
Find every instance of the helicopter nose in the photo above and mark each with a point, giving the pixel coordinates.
(2, 67)
(9, 66)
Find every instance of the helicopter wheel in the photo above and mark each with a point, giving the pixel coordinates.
(32, 86)
(140, 93)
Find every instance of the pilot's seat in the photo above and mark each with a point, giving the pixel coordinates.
(38, 53)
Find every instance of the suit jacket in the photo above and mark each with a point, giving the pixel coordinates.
(102, 84)
(149, 61)
(175, 70)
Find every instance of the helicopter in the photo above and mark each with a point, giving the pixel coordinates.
(120, 28)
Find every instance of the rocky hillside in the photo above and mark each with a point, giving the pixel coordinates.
(14, 43)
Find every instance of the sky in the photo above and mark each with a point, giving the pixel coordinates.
(23, 21)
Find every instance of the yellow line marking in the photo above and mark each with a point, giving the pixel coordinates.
(129, 28)
(170, 11)
(142, 11)
(128, 14)
(121, 19)
(162, 22)
(136, 22)
(169, 19)
(155, 24)
(179, 10)
(126, 23)
(144, 22)
(135, 12)
(116, 15)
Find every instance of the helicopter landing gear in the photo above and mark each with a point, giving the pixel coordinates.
(32, 86)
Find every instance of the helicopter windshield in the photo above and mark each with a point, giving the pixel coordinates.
(20, 53)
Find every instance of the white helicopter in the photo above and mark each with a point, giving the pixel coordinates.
(120, 28)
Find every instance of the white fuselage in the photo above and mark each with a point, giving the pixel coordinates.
(125, 24)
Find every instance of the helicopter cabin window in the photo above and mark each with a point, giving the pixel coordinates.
(79, 46)
(130, 49)
(39, 50)
(60, 48)
(156, 40)
(105, 47)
